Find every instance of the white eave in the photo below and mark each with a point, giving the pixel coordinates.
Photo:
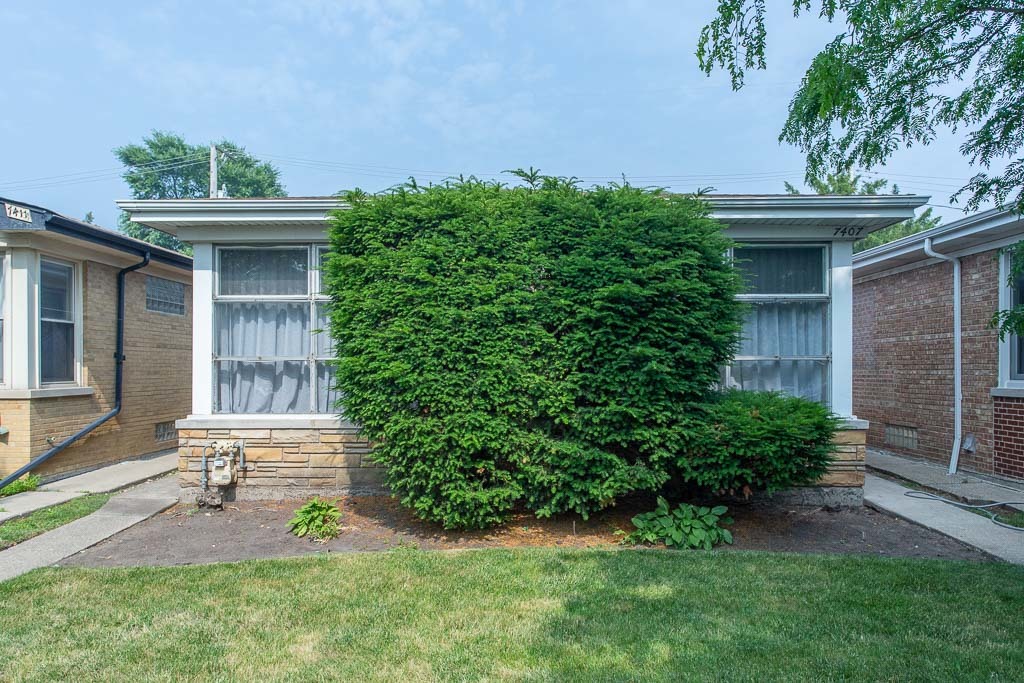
(870, 212)
(993, 227)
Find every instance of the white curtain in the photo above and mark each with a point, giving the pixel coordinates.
(263, 387)
(261, 272)
(785, 329)
(258, 332)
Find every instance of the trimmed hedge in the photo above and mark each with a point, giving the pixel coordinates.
(541, 346)
(760, 441)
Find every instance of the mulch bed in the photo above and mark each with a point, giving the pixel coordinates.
(249, 530)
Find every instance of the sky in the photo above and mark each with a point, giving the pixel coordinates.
(355, 93)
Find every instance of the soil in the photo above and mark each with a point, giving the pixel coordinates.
(248, 530)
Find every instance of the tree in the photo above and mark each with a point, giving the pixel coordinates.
(898, 72)
(164, 166)
(846, 182)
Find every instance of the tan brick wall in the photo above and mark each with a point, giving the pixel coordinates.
(903, 357)
(285, 463)
(157, 383)
(298, 463)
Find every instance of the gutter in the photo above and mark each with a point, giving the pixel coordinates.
(118, 382)
(958, 395)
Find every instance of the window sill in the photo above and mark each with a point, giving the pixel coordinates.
(264, 421)
(1008, 392)
(46, 392)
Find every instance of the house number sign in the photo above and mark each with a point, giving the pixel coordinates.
(18, 213)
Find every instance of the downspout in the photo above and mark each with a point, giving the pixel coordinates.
(958, 395)
(118, 382)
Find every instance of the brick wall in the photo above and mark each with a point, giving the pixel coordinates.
(285, 463)
(157, 383)
(903, 357)
(1009, 434)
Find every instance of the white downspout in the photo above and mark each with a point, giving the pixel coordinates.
(958, 395)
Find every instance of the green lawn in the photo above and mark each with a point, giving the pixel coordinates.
(33, 524)
(520, 615)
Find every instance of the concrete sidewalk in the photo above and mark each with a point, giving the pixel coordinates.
(966, 527)
(125, 509)
(968, 487)
(102, 480)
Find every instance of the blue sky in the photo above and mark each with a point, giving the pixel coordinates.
(384, 90)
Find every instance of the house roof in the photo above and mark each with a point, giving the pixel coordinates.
(992, 227)
(870, 212)
(42, 219)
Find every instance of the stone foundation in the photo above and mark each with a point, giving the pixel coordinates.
(284, 463)
(300, 463)
(843, 484)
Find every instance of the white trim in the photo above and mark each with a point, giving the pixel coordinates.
(1006, 345)
(48, 391)
(23, 313)
(841, 275)
(264, 421)
(202, 329)
(77, 300)
(5, 317)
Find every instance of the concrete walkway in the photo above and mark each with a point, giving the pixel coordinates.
(966, 527)
(102, 480)
(122, 511)
(969, 488)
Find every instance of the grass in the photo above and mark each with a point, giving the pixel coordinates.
(29, 482)
(35, 523)
(539, 614)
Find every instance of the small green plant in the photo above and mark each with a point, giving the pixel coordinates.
(317, 519)
(29, 482)
(688, 526)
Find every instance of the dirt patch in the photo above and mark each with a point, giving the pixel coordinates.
(184, 535)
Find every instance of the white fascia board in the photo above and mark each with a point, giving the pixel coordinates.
(784, 207)
(911, 248)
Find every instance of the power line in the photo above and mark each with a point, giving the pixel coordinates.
(103, 171)
(105, 176)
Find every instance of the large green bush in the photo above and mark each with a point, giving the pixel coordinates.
(539, 346)
(759, 441)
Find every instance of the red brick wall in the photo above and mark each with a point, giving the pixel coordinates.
(903, 357)
(1009, 435)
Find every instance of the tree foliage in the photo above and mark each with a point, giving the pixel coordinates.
(538, 346)
(165, 166)
(899, 71)
(846, 182)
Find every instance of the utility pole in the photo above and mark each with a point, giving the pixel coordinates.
(213, 171)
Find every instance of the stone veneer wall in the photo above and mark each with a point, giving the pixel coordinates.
(285, 463)
(300, 463)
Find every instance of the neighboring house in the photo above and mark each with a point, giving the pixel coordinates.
(908, 369)
(261, 371)
(58, 335)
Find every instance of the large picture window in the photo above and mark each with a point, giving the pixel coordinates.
(3, 314)
(271, 346)
(785, 342)
(56, 321)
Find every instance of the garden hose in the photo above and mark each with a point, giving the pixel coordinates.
(924, 495)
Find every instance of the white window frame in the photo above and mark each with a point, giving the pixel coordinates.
(76, 320)
(825, 296)
(5, 316)
(1007, 378)
(313, 297)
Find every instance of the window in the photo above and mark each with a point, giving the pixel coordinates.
(271, 348)
(165, 431)
(1016, 342)
(901, 436)
(3, 308)
(165, 296)
(785, 341)
(56, 321)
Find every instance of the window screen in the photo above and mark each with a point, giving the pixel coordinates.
(56, 322)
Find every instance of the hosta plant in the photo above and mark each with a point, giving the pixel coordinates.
(687, 526)
(318, 519)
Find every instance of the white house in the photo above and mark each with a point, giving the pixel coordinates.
(261, 384)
